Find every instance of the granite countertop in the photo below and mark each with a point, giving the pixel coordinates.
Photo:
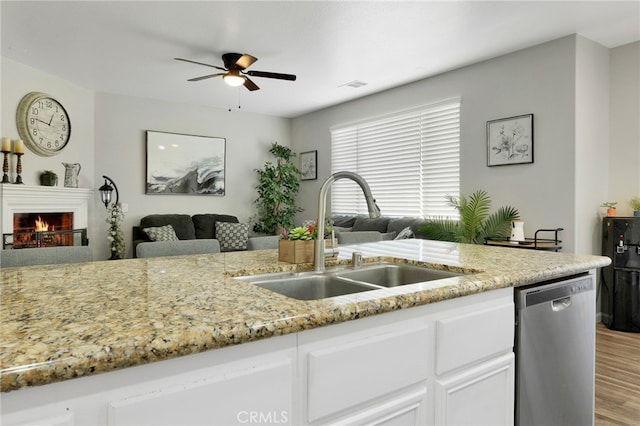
(59, 322)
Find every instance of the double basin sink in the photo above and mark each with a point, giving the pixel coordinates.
(339, 281)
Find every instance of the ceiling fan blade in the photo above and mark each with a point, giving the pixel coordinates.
(245, 61)
(206, 76)
(267, 74)
(249, 84)
(200, 63)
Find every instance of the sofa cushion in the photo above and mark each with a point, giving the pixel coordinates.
(232, 236)
(161, 233)
(405, 234)
(398, 224)
(177, 248)
(205, 224)
(359, 237)
(368, 224)
(181, 223)
(343, 221)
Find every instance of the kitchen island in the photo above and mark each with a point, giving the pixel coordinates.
(182, 318)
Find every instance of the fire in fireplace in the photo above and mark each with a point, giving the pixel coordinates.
(42, 229)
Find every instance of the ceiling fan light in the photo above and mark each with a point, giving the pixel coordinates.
(234, 80)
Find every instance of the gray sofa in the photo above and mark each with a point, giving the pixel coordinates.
(356, 229)
(194, 235)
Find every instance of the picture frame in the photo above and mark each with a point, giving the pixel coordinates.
(184, 164)
(309, 165)
(510, 140)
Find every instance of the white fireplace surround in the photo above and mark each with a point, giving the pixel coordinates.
(44, 199)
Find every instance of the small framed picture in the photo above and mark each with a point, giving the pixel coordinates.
(510, 141)
(308, 165)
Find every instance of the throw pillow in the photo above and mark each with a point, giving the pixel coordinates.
(232, 236)
(161, 233)
(406, 233)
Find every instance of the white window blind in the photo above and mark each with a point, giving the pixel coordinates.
(410, 159)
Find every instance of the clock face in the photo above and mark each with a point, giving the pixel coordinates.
(43, 123)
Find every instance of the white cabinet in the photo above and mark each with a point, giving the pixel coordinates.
(479, 395)
(245, 384)
(373, 370)
(475, 366)
(447, 363)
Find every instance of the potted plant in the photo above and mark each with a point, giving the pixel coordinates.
(297, 244)
(635, 205)
(476, 224)
(277, 188)
(611, 207)
(48, 178)
(115, 236)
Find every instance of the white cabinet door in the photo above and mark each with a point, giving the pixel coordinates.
(481, 395)
(345, 369)
(410, 408)
(250, 393)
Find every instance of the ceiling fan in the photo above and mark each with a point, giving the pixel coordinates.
(234, 73)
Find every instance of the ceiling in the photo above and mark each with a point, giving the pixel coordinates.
(128, 48)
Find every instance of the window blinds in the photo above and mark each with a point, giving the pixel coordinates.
(410, 159)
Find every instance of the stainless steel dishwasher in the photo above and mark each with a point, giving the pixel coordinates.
(555, 353)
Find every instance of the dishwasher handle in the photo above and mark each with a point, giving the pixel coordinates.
(561, 304)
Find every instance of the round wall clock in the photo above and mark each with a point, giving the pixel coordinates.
(43, 124)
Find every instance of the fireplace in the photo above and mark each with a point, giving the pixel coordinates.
(42, 230)
(44, 216)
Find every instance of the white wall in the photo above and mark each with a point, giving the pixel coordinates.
(624, 152)
(121, 122)
(17, 81)
(591, 147)
(538, 80)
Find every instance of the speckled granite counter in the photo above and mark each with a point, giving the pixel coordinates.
(61, 322)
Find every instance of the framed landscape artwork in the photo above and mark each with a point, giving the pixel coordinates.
(510, 140)
(308, 165)
(185, 164)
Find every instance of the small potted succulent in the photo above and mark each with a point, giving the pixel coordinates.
(635, 205)
(611, 208)
(48, 178)
(297, 245)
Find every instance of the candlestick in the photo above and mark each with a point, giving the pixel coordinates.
(6, 145)
(5, 164)
(18, 167)
(18, 146)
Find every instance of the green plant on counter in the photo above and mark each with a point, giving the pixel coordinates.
(635, 203)
(277, 188)
(476, 223)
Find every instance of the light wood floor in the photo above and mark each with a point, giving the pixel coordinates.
(617, 377)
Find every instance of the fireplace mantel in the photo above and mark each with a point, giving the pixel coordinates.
(44, 199)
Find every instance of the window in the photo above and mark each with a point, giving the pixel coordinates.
(410, 159)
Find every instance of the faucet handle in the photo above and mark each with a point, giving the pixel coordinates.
(356, 259)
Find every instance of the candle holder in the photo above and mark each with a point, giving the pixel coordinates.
(5, 167)
(18, 168)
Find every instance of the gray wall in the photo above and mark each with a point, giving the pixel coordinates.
(539, 80)
(563, 83)
(624, 154)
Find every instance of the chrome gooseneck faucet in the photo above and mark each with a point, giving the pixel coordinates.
(374, 211)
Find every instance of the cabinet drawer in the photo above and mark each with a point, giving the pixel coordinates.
(345, 375)
(474, 336)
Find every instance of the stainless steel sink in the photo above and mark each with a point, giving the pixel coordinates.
(393, 275)
(313, 287)
(344, 280)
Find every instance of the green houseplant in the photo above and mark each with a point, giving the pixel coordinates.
(278, 185)
(48, 178)
(476, 223)
(611, 207)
